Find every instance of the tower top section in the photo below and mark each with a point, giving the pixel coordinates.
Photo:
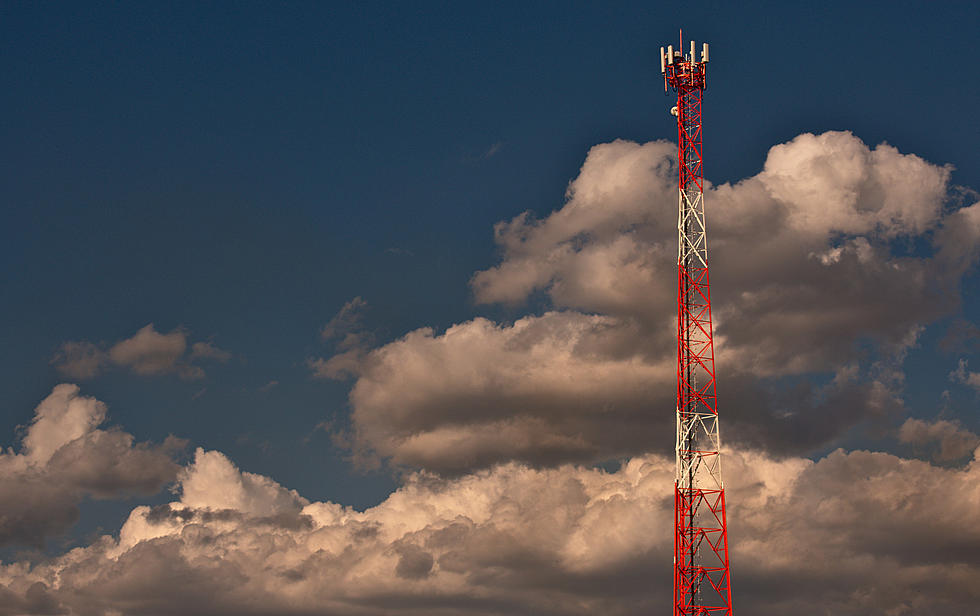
(683, 71)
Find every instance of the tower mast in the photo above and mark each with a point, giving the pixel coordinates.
(702, 584)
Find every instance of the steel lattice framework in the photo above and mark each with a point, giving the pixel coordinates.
(702, 583)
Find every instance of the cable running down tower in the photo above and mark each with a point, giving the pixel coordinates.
(702, 585)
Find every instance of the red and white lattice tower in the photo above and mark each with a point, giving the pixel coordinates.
(702, 585)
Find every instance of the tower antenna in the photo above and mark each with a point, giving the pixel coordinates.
(702, 582)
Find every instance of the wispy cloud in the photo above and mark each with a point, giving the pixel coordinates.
(350, 339)
(493, 150)
(483, 155)
(963, 375)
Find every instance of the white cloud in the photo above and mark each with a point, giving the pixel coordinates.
(59, 419)
(807, 538)
(351, 340)
(564, 387)
(548, 389)
(802, 255)
(809, 273)
(64, 457)
(804, 261)
(80, 360)
(212, 481)
(832, 182)
(269, 386)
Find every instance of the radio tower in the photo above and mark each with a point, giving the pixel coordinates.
(702, 586)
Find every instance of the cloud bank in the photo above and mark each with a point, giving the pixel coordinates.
(807, 538)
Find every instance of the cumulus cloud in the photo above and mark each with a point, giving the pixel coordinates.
(65, 456)
(817, 300)
(147, 353)
(806, 256)
(549, 389)
(806, 538)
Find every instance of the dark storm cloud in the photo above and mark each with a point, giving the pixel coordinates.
(64, 456)
(817, 300)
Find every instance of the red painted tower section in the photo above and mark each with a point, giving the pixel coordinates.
(702, 583)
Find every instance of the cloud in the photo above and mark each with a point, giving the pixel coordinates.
(819, 296)
(806, 538)
(548, 389)
(206, 350)
(269, 386)
(570, 387)
(493, 150)
(79, 360)
(147, 353)
(63, 457)
(348, 320)
(352, 341)
(478, 156)
(817, 299)
(806, 256)
(212, 481)
(964, 376)
(954, 441)
(339, 367)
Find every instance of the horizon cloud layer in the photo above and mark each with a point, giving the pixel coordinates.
(516, 540)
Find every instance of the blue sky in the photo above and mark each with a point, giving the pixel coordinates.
(240, 172)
